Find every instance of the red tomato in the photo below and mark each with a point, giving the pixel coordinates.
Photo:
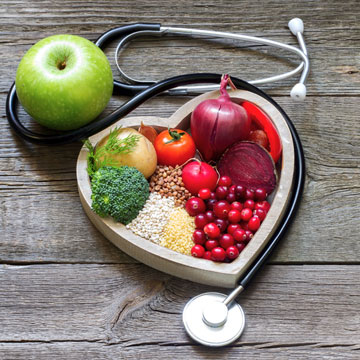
(174, 147)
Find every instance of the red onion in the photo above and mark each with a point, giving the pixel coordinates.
(218, 123)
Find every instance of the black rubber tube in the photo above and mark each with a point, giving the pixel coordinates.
(123, 110)
(294, 202)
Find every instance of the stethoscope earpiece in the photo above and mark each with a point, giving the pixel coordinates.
(298, 92)
(296, 25)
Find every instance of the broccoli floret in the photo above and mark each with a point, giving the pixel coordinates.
(119, 192)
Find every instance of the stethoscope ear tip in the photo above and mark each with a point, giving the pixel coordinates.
(298, 92)
(296, 25)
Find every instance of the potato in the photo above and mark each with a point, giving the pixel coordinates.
(143, 156)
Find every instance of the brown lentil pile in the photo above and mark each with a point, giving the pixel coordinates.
(167, 181)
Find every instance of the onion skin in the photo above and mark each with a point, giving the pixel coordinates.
(218, 123)
(148, 131)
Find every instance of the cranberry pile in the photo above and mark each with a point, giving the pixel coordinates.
(226, 219)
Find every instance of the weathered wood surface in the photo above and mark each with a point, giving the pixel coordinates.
(67, 293)
(292, 312)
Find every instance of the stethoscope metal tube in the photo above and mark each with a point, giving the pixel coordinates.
(298, 92)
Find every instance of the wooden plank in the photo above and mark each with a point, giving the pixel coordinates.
(85, 350)
(38, 182)
(299, 307)
(165, 58)
(341, 73)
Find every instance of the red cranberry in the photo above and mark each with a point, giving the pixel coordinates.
(195, 206)
(239, 235)
(207, 255)
(237, 205)
(226, 240)
(197, 251)
(222, 192)
(201, 220)
(249, 194)
(240, 192)
(260, 194)
(231, 198)
(249, 235)
(210, 204)
(199, 237)
(254, 223)
(212, 195)
(246, 214)
(232, 227)
(234, 216)
(212, 230)
(218, 254)
(210, 216)
(221, 209)
(244, 225)
(232, 189)
(260, 213)
(240, 246)
(211, 244)
(250, 204)
(222, 224)
(232, 252)
(224, 181)
(263, 205)
(204, 194)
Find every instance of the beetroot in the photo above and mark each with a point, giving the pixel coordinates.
(250, 165)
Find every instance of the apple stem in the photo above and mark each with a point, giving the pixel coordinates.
(61, 65)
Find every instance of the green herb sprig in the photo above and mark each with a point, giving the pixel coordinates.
(113, 146)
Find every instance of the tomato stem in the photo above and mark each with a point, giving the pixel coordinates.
(176, 136)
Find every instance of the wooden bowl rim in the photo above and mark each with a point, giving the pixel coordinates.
(185, 266)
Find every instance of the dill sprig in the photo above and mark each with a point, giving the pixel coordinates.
(103, 156)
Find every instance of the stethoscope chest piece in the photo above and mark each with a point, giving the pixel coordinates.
(210, 322)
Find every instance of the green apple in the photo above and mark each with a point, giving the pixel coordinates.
(64, 82)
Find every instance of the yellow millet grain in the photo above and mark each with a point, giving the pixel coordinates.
(177, 233)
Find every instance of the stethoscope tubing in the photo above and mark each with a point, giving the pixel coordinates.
(98, 125)
(302, 53)
(293, 204)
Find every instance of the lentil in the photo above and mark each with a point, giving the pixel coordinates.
(167, 181)
(177, 233)
(152, 218)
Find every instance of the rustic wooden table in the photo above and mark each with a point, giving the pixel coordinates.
(67, 293)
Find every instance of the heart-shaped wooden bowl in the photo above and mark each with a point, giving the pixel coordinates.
(184, 266)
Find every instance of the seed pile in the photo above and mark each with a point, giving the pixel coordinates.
(152, 218)
(177, 233)
(167, 181)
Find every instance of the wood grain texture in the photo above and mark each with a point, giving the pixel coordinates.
(97, 351)
(328, 35)
(70, 294)
(114, 309)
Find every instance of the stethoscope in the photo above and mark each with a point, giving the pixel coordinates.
(212, 319)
